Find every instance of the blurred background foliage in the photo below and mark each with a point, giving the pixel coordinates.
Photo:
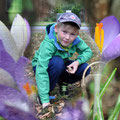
(38, 12)
(90, 11)
(43, 10)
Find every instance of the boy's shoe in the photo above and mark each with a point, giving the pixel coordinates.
(63, 89)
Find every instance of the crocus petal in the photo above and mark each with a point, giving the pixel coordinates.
(12, 97)
(8, 41)
(12, 113)
(7, 79)
(2, 108)
(28, 32)
(66, 116)
(72, 113)
(6, 61)
(83, 104)
(21, 75)
(113, 50)
(111, 29)
(78, 115)
(19, 33)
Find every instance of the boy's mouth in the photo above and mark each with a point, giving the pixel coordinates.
(65, 41)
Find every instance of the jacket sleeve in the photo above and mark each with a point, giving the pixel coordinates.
(46, 52)
(84, 51)
(35, 58)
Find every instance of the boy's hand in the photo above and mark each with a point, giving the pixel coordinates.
(47, 111)
(72, 68)
(45, 104)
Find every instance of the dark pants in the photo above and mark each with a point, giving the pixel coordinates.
(57, 71)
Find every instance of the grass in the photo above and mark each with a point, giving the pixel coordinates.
(1, 118)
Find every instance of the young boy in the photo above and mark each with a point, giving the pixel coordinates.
(51, 62)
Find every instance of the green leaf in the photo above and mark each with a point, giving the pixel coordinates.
(1, 118)
(107, 83)
(96, 117)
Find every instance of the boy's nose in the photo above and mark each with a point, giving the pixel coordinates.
(67, 36)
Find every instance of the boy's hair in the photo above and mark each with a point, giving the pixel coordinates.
(67, 23)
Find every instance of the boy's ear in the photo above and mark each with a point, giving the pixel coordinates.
(56, 29)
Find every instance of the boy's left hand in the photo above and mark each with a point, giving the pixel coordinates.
(72, 68)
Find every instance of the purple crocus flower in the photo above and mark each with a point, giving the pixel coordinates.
(16, 40)
(77, 112)
(28, 32)
(16, 70)
(8, 42)
(111, 46)
(20, 31)
(21, 77)
(7, 65)
(15, 104)
(12, 113)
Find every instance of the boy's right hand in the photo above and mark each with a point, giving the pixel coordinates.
(72, 68)
(47, 110)
(45, 104)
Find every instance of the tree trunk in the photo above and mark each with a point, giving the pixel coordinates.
(3, 12)
(42, 8)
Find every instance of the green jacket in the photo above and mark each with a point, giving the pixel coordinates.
(49, 48)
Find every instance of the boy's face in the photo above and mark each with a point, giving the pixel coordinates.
(66, 34)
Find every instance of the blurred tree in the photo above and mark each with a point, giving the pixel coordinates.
(43, 8)
(15, 7)
(28, 10)
(58, 9)
(39, 9)
(97, 9)
(3, 12)
(72, 5)
(76, 8)
(115, 8)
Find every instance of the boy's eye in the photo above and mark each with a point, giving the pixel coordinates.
(64, 31)
(73, 34)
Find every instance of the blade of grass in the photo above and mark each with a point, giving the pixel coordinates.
(107, 83)
(1, 118)
(99, 108)
(114, 115)
(96, 117)
(91, 112)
